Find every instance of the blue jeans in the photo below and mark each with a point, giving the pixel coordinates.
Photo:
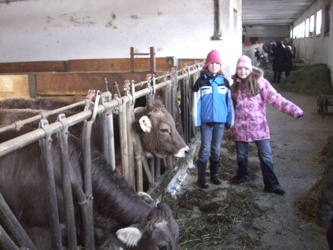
(266, 163)
(211, 139)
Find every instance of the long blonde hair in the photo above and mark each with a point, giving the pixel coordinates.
(250, 84)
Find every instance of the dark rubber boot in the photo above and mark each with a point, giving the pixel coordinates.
(202, 175)
(214, 170)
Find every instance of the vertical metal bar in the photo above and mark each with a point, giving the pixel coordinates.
(9, 219)
(174, 96)
(66, 184)
(83, 202)
(86, 141)
(105, 136)
(110, 153)
(158, 168)
(195, 77)
(5, 241)
(124, 139)
(185, 107)
(166, 97)
(167, 91)
(86, 138)
(108, 134)
(46, 144)
(139, 172)
(130, 121)
(152, 168)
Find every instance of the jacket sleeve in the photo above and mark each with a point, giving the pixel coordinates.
(196, 105)
(324, 211)
(271, 96)
(231, 111)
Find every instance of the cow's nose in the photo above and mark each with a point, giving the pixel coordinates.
(182, 152)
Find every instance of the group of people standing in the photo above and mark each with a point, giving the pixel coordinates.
(241, 107)
(282, 60)
(217, 106)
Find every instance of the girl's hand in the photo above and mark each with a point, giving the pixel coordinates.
(300, 115)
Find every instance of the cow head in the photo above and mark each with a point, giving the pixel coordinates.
(158, 132)
(160, 232)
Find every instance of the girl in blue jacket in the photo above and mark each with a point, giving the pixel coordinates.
(212, 111)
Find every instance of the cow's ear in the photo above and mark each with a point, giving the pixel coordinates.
(145, 124)
(129, 235)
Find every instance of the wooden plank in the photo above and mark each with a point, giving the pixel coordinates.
(14, 86)
(163, 64)
(117, 65)
(183, 62)
(78, 84)
(24, 67)
(99, 65)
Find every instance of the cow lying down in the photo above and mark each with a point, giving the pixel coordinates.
(118, 210)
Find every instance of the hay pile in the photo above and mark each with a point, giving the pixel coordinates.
(228, 221)
(307, 205)
(310, 80)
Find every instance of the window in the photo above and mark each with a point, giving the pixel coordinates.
(307, 23)
(294, 33)
(311, 28)
(327, 20)
(303, 29)
(318, 23)
(297, 31)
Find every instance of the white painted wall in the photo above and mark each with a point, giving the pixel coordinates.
(316, 49)
(45, 30)
(266, 33)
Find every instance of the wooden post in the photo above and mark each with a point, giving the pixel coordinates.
(152, 58)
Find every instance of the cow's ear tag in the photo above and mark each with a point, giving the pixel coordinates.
(145, 124)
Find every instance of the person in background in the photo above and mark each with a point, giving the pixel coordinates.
(279, 60)
(212, 111)
(289, 60)
(324, 211)
(250, 92)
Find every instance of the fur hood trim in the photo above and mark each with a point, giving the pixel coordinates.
(257, 72)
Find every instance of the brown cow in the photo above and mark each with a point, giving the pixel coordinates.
(118, 210)
(162, 140)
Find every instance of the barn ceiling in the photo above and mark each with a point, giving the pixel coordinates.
(273, 12)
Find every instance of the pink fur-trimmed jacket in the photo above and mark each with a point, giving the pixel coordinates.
(250, 111)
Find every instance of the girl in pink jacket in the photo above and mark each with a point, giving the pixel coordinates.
(250, 92)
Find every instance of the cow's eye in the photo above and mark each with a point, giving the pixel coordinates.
(164, 130)
(162, 248)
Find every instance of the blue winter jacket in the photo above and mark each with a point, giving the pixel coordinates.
(212, 101)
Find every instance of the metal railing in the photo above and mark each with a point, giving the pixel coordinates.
(176, 87)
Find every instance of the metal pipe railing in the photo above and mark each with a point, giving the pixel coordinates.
(124, 105)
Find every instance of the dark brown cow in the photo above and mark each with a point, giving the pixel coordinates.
(117, 209)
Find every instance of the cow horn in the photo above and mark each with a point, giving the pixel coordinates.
(145, 124)
(146, 197)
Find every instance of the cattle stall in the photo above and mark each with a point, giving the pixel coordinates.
(174, 88)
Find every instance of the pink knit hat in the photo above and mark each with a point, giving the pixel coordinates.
(244, 61)
(213, 57)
